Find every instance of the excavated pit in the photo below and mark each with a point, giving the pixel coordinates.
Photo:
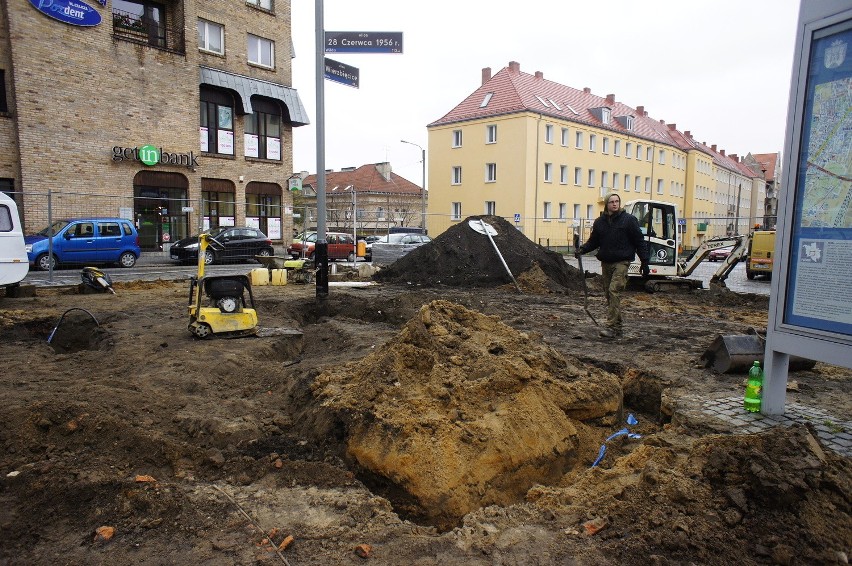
(460, 411)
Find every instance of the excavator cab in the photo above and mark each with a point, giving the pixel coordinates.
(658, 222)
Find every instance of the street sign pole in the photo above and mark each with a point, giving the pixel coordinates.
(321, 249)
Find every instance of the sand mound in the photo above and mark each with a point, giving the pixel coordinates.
(460, 410)
(463, 257)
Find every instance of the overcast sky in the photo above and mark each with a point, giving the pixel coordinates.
(718, 68)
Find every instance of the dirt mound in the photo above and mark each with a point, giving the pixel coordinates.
(460, 410)
(464, 257)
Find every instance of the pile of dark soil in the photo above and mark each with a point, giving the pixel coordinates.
(463, 257)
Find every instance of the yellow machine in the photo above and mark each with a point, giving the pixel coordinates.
(226, 311)
(760, 254)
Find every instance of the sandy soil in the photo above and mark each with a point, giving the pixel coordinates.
(409, 422)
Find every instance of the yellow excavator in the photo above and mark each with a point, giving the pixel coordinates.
(217, 304)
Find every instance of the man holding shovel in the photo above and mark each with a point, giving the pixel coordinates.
(618, 239)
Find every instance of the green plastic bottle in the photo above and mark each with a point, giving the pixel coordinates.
(754, 388)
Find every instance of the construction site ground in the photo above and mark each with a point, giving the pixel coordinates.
(434, 416)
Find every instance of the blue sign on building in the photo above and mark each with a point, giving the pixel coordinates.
(73, 12)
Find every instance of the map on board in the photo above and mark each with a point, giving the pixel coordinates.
(828, 178)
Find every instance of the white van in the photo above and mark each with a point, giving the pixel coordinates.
(14, 264)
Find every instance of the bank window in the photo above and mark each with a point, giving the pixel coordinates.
(261, 51)
(265, 4)
(457, 175)
(263, 130)
(491, 134)
(490, 172)
(217, 122)
(457, 138)
(456, 212)
(145, 21)
(211, 37)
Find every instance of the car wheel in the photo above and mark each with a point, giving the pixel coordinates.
(265, 252)
(45, 262)
(750, 274)
(127, 259)
(209, 257)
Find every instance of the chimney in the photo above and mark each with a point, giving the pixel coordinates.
(672, 126)
(384, 168)
(486, 74)
(610, 99)
(514, 67)
(587, 90)
(722, 152)
(688, 134)
(713, 147)
(539, 75)
(663, 122)
(640, 110)
(734, 157)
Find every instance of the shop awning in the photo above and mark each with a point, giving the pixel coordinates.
(246, 87)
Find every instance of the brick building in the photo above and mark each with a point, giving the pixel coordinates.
(177, 114)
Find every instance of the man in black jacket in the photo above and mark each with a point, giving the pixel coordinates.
(618, 239)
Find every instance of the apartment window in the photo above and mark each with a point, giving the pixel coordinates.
(649, 153)
(211, 37)
(564, 137)
(261, 51)
(263, 130)
(662, 157)
(548, 133)
(616, 180)
(578, 175)
(490, 208)
(628, 150)
(639, 151)
(576, 211)
(593, 142)
(217, 121)
(604, 179)
(659, 186)
(605, 145)
(457, 175)
(490, 172)
(590, 211)
(591, 177)
(457, 138)
(455, 213)
(617, 147)
(380, 213)
(145, 21)
(563, 174)
(626, 182)
(547, 211)
(548, 172)
(265, 4)
(648, 185)
(491, 134)
(3, 104)
(637, 184)
(578, 140)
(563, 211)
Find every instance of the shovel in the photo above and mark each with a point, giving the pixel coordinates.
(585, 286)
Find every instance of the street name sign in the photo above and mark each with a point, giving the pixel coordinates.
(363, 42)
(341, 73)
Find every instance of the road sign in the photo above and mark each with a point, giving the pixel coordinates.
(341, 73)
(517, 217)
(363, 42)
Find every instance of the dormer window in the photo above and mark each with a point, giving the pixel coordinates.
(606, 113)
(626, 122)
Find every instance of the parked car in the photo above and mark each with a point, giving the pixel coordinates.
(412, 240)
(227, 243)
(720, 254)
(340, 246)
(85, 241)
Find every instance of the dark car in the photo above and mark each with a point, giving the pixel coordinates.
(227, 243)
(85, 241)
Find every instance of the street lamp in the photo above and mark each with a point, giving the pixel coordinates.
(423, 188)
(354, 221)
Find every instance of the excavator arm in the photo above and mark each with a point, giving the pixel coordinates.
(740, 249)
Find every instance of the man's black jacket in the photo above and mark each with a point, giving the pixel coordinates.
(618, 238)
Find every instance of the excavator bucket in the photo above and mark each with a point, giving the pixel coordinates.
(736, 353)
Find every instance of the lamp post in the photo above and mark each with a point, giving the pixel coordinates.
(354, 221)
(423, 188)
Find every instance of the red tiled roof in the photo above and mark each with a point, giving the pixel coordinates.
(366, 179)
(768, 161)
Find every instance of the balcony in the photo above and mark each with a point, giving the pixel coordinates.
(165, 33)
(701, 227)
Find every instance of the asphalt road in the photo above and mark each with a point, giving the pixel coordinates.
(153, 266)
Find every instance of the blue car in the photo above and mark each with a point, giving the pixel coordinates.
(85, 241)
